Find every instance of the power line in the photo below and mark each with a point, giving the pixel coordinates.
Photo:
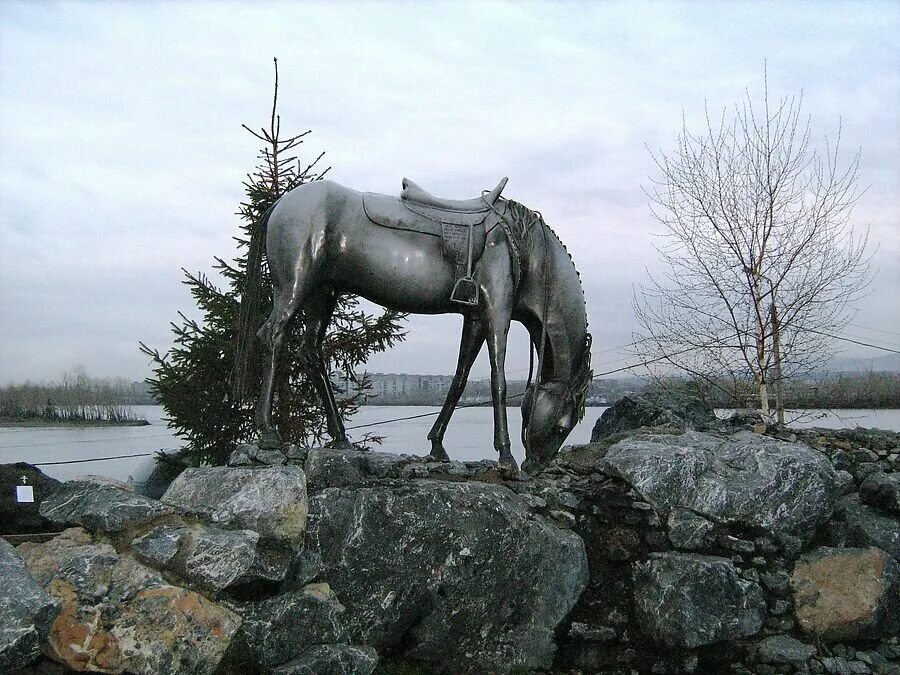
(93, 459)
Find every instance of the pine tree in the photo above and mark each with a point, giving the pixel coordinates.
(208, 397)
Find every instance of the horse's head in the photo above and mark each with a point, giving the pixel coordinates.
(550, 411)
(548, 416)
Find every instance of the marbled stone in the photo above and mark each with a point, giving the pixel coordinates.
(332, 660)
(688, 600)
(117, 615)
(26, 612)
(283, 628)
(745, 479)
(458, 573)
(100, 506)
(270, 500)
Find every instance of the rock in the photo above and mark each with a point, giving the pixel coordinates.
(882, 490)
(688, 530)
(26, 612)
(248, 454)
(652, 410)
(24, 517)
(269, 500)
(283, 628)
(745, 479)
(689, 600)
(100, 506)
(332, 660)
(858, 526)
(847, 594)
(327, 468)
(783, 649)
(159, 546)
(117, 615)
(218, 558)
(457, 573)
(747, 417)
(211, 558)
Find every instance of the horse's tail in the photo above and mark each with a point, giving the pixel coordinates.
(245, 369)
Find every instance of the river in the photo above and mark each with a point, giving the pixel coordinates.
(468, 437)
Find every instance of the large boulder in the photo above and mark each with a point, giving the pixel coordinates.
(26, 612)
(24, 517)
(653, 409)
(117, 615)
(688, 600)
(270, 500)
(458, 574)
(744, 479)
(99, 506)
(847, 594)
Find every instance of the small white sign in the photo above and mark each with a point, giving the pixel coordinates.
(24, 493)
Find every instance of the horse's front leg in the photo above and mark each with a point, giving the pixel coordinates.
(498, 332)
(469, 346)
(319, 310)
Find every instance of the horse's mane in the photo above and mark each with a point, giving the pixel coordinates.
(520, 222)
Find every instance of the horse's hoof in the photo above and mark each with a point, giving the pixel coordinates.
(341, 444)
(508, 464)
(438, 454)
(270, 439)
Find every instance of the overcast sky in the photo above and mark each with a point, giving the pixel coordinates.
(121, 152)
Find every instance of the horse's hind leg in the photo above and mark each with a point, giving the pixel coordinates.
(318, 312)
(469, 346)
(287, 299)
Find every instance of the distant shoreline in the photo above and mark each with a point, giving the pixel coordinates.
(37, 422)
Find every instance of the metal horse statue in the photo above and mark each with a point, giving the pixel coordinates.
(490, 259)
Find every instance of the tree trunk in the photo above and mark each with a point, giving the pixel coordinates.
(776, 347)
(764, 398)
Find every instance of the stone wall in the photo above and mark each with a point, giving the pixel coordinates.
(657, 550)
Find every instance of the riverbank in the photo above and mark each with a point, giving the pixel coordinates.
(41, 423)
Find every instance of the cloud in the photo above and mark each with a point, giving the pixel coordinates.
(121, 153)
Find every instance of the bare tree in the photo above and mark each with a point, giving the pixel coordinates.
(760, 263)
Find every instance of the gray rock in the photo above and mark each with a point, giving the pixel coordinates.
(847, 594)
(457, 573)
(100, 506)
(689, 600)
(283, 628)
(858, 526)
(26, 612)
(218, 558)
(24, 517)
(652, 410)
(332, 660)
(784, 649)
(327, 468)
(119, 616)
(882, 490)
(688, 531)
(159, 546)
(269, 500)
(746, 479)
(248, 454)
(152, 477)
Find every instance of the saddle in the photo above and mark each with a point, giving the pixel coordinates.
(461, 224)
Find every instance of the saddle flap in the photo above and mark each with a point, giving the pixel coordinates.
(452, 228)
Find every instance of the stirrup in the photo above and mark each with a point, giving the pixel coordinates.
(465, 292)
